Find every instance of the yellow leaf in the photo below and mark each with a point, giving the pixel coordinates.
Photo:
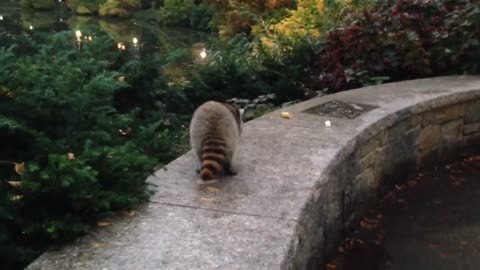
(103, 223)
(14, 183)
(20, 168)
(207, 200)
(98, 245)
(286, 115)
(70, 156)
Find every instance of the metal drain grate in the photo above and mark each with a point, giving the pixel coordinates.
(340, 109)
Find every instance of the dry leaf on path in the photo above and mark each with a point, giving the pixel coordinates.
(104, 223)
(14, 183)
(207, 200)
(286, 115)
(70, 156)
(20, 168)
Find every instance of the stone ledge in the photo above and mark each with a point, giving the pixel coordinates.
(300, 184)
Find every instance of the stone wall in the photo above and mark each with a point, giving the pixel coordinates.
(389, 157)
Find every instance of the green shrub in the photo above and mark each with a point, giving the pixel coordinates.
(119, 8)
(85, 6)
(187, 14)
(38, 4)
(84, 159)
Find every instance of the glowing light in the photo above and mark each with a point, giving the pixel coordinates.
(135, 40)
(90, 38)
(31, 27)
(203, 54)
(328, 123)
(78, 34)
(123, 47)
(1, 18)
(119, 45)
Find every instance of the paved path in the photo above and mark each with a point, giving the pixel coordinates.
(440, 230)
(430, 223)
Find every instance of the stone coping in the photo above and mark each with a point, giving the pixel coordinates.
(300, 184)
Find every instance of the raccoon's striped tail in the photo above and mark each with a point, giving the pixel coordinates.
(214, 160)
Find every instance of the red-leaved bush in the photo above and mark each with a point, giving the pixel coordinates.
(401, 40)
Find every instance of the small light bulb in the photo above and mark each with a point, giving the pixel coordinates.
(328, 123)
(135, 40)
(89, 38)
(31, 27)
(203, 54)
(119, 45)
(1, 18)
(123, 47)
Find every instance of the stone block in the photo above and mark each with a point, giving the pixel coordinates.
(397, 161)
(429, 137)
(471, 128)
(452, 132)
(472, 112)
(397, 131)
(443, 115)
(428, 158)
(367, 161)
(369, 147)
(472, 142)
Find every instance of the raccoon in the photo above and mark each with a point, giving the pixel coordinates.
(215, 136)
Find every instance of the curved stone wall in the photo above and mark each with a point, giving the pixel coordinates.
(300, 182)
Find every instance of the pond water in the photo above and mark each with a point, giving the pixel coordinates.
(128, 34)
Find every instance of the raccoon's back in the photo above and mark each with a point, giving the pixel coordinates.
(214, 120)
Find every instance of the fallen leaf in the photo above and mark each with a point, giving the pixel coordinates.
(367, 225)
(437, 202)
(212, 189)
(104, 223)
(207, 200)
(121, 78)
(400, 187)
(98, 245)
(286, 115)
(14, 183)
(126, 213)
(332, 265)
(20, 168)
(412, 183)
(70, 156)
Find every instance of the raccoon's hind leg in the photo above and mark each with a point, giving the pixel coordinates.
(230, 169)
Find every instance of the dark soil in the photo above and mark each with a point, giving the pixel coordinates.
(431, 222)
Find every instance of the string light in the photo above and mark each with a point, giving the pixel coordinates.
(203, 54)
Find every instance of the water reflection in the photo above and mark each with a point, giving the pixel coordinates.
(150, 38)
(140, 39)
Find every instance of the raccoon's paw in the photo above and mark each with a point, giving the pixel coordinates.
(231, 171)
